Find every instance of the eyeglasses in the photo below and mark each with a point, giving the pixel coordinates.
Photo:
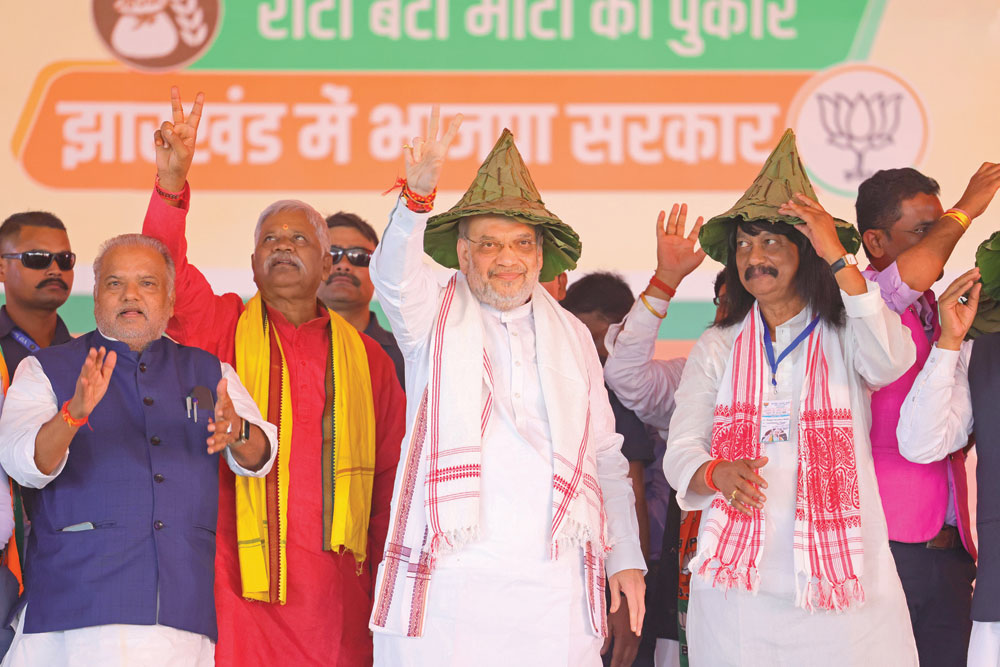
(42, 259)
(356, 256)
(520, 246)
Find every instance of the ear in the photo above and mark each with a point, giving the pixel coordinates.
(873, 240)
(464, 259)
(3, 270)
(327, 265)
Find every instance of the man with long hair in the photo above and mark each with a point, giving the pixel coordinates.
(770, 439)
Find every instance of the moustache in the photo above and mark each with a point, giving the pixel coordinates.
(760, 270)
(52, 281)
(354, 279)
(283, 256)
(502, 269)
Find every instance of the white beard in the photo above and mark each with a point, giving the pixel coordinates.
(484, 292)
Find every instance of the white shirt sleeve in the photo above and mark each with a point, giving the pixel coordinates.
(612, 473)
(690, 438)
(406, 287)
(936, 417)
(6, 509)
(247, 409)
(644, 385)
(30, 403)
(882, 347)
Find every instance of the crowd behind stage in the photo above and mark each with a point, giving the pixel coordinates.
(505, 476)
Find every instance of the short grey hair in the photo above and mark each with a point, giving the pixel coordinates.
(282, 205)
(134, 241)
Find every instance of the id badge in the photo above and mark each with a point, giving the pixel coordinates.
(775, 420)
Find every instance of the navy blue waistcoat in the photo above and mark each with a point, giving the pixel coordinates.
(984, 382)
(143, 478)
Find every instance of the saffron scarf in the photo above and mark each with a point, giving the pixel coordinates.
(348, 453)
(827, 533)
(13, 553)
(436, 499)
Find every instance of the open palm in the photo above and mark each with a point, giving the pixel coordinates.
(676, 256)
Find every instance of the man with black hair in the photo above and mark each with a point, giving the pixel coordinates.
(36, 268)
(598, 300)
(348, 291)
(908, 237)
(770, 438)
(37, 272)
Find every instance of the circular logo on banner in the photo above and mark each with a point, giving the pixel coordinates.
(157, 34)
(853, 120)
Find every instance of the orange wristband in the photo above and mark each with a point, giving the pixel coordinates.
(70, 419)
(708, 474)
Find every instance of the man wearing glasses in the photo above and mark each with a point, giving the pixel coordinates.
(348, 291)
(37, 273)
(36, 268)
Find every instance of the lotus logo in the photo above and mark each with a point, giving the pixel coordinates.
(860, 125)
(853, 120)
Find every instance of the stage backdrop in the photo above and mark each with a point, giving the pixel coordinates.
(620, 107)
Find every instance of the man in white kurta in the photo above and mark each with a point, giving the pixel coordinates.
(514, 592)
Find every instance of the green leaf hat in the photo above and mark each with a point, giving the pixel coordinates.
(988, 315)
(504, 187)
(781, 177)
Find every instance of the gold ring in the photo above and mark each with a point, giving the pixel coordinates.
(732, 497)
(407, 147)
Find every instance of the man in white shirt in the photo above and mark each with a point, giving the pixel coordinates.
(770, 438)
(113, 436)
(511, 499)
(954, 393)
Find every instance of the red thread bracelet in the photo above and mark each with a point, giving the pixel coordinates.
(415, 202)
(173, 196)
(70, 419)
(656, 282)
(708, 474)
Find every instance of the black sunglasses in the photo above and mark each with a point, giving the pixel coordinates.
(42, 259)
(356, 256)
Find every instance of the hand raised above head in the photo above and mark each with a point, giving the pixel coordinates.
(676, 256)
(425, 157)
(982, 187)
(175, 142)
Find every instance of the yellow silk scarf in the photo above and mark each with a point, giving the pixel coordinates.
(348, 460)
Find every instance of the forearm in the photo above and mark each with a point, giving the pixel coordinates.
(255, 452)
(850, 280)
(51, 444)
(936, 417)
(921, 265)
(882, 348)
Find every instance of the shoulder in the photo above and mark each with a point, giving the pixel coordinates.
(71, 349)
(189, 352)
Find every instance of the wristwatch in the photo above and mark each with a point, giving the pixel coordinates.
(846, 260)
(244, 433)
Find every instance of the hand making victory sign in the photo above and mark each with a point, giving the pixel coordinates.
(425, 158)
(175, 142)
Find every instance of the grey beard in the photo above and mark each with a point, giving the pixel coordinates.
(484, 292)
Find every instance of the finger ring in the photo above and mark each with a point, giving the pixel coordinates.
(407, 146)
(732, 497)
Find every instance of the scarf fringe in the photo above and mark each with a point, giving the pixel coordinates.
(574, 534)
(453, 540)
(725, 577)
(823, 595)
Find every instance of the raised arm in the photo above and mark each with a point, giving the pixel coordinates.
(201, 318)
(644, 385)
(921, 265)
(936, 417)
(406, 287)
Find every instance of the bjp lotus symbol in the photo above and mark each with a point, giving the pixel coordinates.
(861, 124)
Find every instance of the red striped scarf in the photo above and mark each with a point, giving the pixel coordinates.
(827, 532)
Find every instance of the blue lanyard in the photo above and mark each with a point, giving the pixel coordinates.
(25, 340)
(769, 347)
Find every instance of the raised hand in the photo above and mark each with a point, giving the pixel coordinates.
(981, 189)
(91, 385)
(739, 482)
(175, 142)
(225, 428)
(957, 317)
(820, 228)
(425, 158)
(675, 253)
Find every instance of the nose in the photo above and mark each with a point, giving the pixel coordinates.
(756, 255)
(507, 254)
(131, 291)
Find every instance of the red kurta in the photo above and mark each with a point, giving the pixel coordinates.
(325, 619)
